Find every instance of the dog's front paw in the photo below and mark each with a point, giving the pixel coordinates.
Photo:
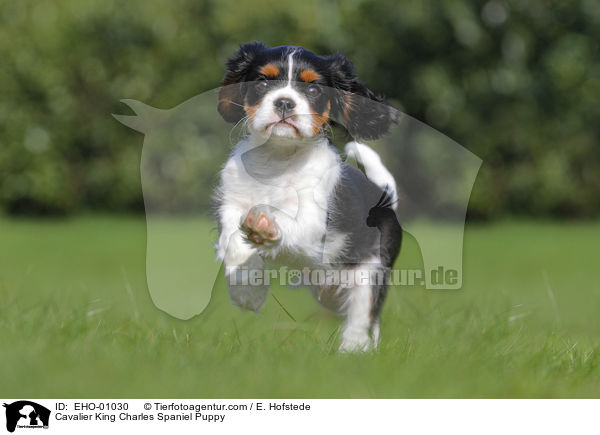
(250, 298)
(260, 228)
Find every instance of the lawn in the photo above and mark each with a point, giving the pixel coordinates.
(77, 320)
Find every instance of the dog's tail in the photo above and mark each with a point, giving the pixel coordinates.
(374, 169)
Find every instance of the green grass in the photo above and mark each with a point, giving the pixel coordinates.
(525, 323)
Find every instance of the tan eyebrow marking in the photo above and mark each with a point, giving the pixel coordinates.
(270, 70)
(309, 75)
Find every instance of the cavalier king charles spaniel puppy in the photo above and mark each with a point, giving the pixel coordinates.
(286, 198)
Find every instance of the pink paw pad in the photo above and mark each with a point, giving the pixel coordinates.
(259, 227)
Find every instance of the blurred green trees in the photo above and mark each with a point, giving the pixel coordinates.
(516, 82)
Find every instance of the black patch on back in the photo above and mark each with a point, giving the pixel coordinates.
(353, 199)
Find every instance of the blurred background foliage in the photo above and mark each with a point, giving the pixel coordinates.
(516, 82)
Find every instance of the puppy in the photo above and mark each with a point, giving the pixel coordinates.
(285, 197)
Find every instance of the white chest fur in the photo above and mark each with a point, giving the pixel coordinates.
(296, 180)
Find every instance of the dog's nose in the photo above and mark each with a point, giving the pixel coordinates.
(284, 104)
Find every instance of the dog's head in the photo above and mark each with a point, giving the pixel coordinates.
(291, 92)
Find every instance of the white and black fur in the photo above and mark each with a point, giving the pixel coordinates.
(285, 196)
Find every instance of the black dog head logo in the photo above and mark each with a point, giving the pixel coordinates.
(26, 413)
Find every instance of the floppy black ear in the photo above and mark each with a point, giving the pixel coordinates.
(231, 98)
(364, 114)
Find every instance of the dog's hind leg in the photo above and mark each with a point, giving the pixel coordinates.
(357, 309)
(362, 308)
(379, 292)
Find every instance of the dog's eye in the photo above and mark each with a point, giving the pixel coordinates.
(313, 90)
(261, 85)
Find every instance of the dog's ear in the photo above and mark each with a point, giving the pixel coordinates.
(364, 114)
(231, 99)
